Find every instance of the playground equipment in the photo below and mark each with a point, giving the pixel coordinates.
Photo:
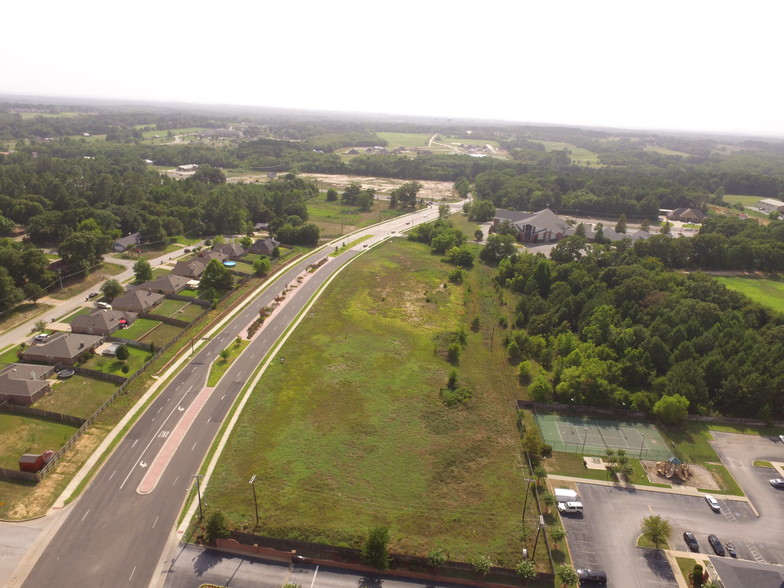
(673, 467)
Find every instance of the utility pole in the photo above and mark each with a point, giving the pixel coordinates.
(539, 530)
(198, 493)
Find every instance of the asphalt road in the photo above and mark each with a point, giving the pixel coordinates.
(196, 565)
(114, 536)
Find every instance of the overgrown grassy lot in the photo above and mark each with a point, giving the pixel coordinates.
(350, 431)
(22, 434)
(93, 280)
(161, 335)
(334, 217)
(79, 396)
(406, 139)
(766, 291)
(21, 313)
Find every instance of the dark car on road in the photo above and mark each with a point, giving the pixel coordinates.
(715, 542)
(691, 541)
(731, 549)
(592, 577)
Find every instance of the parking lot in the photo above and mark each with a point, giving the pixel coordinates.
(605, 535)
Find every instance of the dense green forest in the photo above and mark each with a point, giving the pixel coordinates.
(612, 329)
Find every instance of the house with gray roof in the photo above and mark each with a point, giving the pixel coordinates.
(191, 268)
(533, 227)
(264, 246)
(209, 254)
(62, 348)
(168, 284)
(24, 384)
(127, 242)
(138, 301)
(687, 215)
(102, 322)
(231, 250)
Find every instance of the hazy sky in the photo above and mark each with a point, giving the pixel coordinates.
(686, 64)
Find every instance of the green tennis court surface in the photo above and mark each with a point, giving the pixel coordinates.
(594, 436)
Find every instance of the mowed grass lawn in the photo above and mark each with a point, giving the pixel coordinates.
(350, 431)
(79, 396)
(22, 434)
(767, 291)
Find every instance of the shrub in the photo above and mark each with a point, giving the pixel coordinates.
(216, 527)
(374, 550)
(454, 397)
(436, 557)
(453, 352)
(481, 564)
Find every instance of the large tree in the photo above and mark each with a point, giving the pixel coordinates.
(216, 278)
(142, 271)
(111, 289)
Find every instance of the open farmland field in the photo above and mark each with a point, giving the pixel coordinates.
(412, 140)
(579, 155)
(742, 199)
(335, 218)
(351, 432)
(766, 291)
(431, 190)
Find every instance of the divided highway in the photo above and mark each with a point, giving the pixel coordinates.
(115, 536)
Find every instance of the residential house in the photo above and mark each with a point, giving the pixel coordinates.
(191, 268)
(264, 246)
(209, 254)
(533, 227)
(261, 227)
(138, 301)
(168, 284)
(687, 215)
(23, 383)
(189, 167)
(62, 348)
(231, 250)
(102, 322)
(127, 242)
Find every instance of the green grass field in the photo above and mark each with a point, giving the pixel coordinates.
(743, 199)
(21, 434)
(406, 139)
(111, 365)
(579, 155)
(350, 431)
(766, 291)
(161, 335)
(334, 217)
(138, 329)
(79, 396)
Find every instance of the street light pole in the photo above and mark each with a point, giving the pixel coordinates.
(198, 492)
(256, 504)
(539, 530)
(585, 438)
(642, 446)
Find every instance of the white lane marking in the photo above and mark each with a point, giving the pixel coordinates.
(132, 572)
(175, 481)
(135, 441)
(314, 577)
(112, 476)
(194, 446)
(156, 522)
(85, 514)
(153, 438)
(222, 397)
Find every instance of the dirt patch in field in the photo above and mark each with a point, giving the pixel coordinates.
(430, 190)
(699, 478)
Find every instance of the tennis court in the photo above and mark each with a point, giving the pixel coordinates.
(592, 436)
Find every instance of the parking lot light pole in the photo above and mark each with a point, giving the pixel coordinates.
(252, 483)
(642, 446)
(198, 492)
(585, 438)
